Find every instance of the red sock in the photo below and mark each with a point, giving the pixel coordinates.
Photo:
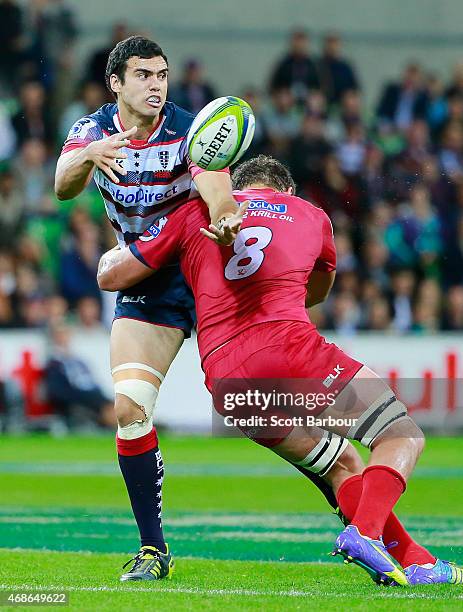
(407, 551)
(381, 488)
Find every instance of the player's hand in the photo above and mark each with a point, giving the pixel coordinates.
(104, 153)
(226, 230)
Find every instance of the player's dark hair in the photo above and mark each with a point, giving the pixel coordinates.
(134, 46)
(264, 170)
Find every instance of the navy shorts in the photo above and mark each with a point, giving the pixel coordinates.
(161, 299)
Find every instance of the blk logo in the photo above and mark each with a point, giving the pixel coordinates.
(134, 299)
(329, 380)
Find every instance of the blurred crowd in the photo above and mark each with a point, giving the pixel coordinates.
(389, 176)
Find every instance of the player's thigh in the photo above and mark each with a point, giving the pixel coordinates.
(137, 342)
(367, 408)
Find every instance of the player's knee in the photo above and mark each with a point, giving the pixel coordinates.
(408, 432)
(127, 410)
(386, 415)
(134, 406)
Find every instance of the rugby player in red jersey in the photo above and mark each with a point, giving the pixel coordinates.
(251, 301)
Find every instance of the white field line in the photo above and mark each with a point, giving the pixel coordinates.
(391, 593)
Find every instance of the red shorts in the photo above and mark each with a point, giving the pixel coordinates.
(288, 355)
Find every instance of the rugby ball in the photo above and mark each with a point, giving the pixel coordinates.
(221, 133)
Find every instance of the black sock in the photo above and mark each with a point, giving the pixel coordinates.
(143, 475)
(318, 481)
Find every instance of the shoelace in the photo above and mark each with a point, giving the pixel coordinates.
(392, 544)
(138, 557)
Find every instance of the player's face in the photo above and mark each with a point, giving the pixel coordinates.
(144, 90)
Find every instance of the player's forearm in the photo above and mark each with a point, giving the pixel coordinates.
(216, 190)
(110, 275)
(73, 174)
(118, 269)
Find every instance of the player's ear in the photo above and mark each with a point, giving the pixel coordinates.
(290, 191)
(115, 83)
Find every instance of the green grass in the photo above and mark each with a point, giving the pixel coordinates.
(248, 532)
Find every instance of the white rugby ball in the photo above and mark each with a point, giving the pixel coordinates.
(221, 133)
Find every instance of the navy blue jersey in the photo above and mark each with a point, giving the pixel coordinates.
(159, 173)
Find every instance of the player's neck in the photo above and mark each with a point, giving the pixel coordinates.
(145, 125)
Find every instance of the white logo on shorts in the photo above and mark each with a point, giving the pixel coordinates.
(329, 380)
(134, 299)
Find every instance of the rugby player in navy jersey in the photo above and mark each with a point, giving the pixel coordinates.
(135, 150)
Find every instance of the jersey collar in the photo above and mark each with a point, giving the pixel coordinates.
(154, 134)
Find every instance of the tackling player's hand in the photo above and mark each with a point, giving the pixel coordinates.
(104, 153)
(226, 230)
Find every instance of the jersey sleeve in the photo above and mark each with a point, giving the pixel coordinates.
(160, 244)
(82, 133)
(326, 261)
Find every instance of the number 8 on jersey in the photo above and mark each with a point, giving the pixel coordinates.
(249, 252)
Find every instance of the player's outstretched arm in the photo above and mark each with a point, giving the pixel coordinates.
(319, 287)
(75, 168)
(119, 269)
(216, 190)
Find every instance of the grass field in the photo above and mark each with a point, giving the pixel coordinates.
(248, 533)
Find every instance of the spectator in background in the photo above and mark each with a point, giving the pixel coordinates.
(12, 39)
(281, 121)
(437, 104)
(193, 92)
(344, 316)
(337, 75)
(375, 257)
(373, 175)
(90, 97)
(54, 33)
(452, 319)
(79, 263)
(336, 192)
(348, 112)
(451, 151)
(454, 114)
(260, 139)
(405, 168)
(89, 314)
(34, 173)
(403, 287)
(97, 63)
(456, 85)
(32, 119)
(426, 312)
(308, 151)
(401, 103)
(297, 70)
(351, 150)
(414, 238)
(70, 383)
(11, 209)
(378, 315)
(7, 136)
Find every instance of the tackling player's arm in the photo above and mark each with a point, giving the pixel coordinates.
(75, 167)
(323, 274)
(121, 268)
(215, 189)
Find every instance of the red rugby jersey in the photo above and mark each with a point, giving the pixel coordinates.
(261, 278)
